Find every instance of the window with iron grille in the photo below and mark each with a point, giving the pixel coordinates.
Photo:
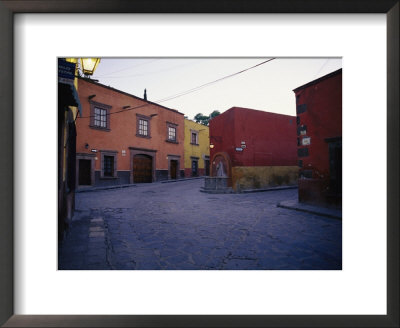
(108, 166)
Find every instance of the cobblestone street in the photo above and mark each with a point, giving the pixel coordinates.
(174, 226)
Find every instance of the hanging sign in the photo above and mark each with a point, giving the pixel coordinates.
(66, 72)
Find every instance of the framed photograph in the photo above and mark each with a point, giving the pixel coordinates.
(361, 291)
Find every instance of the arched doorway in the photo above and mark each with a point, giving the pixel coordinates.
(142, 168)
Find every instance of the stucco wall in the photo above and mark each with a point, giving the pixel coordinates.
(256, 177)
(319, 112)
(255, 138)
(121, 135)
(319, 123)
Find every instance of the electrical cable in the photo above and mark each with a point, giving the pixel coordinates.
(146, 73)
(212, 82)
(124, 69)
(183, 93)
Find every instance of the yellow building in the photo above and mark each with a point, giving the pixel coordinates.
(197, 149)
(69, 107)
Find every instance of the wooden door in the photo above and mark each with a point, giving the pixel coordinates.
(173, 169)
(142, 169)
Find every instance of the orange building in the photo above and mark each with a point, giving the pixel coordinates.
(123, 139)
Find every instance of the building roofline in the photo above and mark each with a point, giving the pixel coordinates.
(327, 76)
(193, 121)
(127, 94)
(257, 110)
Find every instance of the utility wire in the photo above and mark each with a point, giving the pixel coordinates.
(145, 73)
(183, 93)
(212, 82)
(126, 68)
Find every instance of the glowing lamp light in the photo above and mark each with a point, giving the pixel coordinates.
(89, 65)
(211, 146)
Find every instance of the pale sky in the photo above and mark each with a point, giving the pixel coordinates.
(267, 87)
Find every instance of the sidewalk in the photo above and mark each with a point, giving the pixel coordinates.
(89, 188)
(295, 205)
(179, 180)
(269, 189)
(86, 245)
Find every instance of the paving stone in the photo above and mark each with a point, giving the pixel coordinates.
(173, 226)
(130, 265)
(96, 229)
(96, 234)
(240, 264)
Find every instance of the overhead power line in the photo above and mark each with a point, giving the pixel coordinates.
(145, 73)
(183, 93)
(212, 82)
(126, 68)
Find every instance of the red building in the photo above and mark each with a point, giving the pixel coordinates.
(257, 148)
(319, 139)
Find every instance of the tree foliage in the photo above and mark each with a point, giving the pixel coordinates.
(205, 119)
(214, 113)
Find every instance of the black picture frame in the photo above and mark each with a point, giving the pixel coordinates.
(10, 7)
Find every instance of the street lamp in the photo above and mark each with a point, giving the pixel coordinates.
(89, 65)
(218, 139)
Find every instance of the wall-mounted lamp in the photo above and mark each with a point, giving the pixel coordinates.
(86, 146)
(89, 65)
(91, 97)
(211, 146)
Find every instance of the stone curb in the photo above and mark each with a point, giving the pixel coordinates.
(217, 191)
(104, 188)
(268, 189)
(231, 191)
(330, 213)
(180, 180)
(130, 185)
